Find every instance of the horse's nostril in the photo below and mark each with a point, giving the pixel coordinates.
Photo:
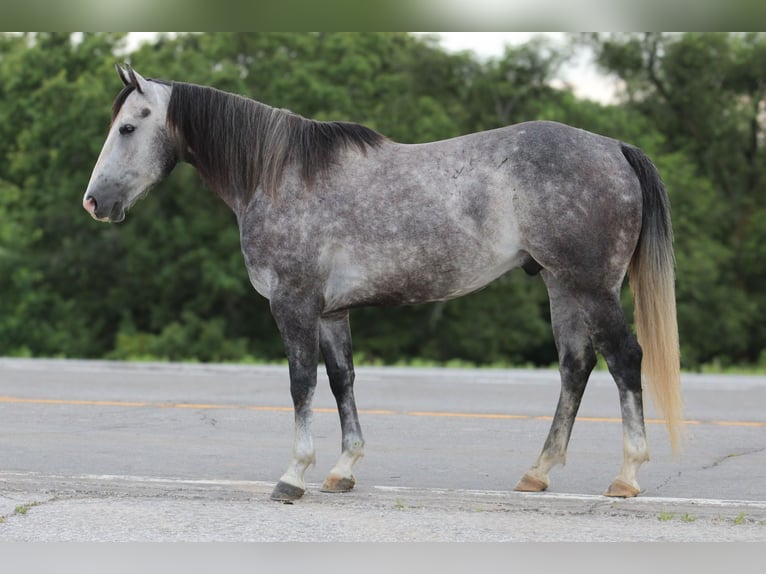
(89, 204)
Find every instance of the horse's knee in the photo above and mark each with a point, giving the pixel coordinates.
(622, 352)
(341, 380)
(577, 366)
(625, 363)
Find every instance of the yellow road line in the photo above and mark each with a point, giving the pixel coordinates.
(466, 415)
(738, 423)
(434, 414)
(20, 400)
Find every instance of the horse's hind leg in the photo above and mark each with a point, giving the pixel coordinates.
(614, 338)
(335, 342)
(576, 361)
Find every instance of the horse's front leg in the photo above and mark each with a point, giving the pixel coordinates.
(298, 322)
(335, 343)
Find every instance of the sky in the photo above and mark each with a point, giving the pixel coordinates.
(580, 73)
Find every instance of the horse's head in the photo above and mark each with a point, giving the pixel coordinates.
(139, 151)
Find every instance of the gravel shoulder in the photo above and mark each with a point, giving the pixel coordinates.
(138, 509)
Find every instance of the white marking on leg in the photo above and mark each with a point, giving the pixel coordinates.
(344, 468)
(635, 449)
(635, 453)
(303, 453)
(543, 466)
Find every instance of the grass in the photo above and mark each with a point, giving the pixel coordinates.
(24, 508)
(20, 510)
(688, 518)
(401, 505)
(362, 359)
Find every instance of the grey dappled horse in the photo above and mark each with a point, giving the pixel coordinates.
(333, 215)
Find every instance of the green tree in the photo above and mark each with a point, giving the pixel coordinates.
(55, 272)
(705, 93)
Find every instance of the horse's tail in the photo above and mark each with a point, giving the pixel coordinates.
(652, 280)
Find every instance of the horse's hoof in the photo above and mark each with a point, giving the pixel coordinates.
(334, 483)
(284, 492)
(530, 484)
(621, 489)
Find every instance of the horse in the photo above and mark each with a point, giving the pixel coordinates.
(334, 216)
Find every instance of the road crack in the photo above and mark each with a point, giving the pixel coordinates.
(719, 461)
(667, 481)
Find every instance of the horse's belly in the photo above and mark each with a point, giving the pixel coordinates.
(406, 280)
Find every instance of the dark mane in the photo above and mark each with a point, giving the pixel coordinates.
(238, 144)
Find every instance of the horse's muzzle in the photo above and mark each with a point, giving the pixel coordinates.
(115, 214)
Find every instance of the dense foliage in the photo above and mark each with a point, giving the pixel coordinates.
(170, 281)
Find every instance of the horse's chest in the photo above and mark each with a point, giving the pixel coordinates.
(262, 280)
(262, 275)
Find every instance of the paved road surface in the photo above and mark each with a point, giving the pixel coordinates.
(114, 451)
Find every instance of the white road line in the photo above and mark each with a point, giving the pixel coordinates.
(755, 504)
(639, 500)
(6, 476)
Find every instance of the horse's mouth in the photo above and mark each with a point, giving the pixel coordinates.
(117, 214)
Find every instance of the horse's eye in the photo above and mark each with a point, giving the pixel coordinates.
(127, 129)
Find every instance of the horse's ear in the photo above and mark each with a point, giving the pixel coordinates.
(123, 74)
(136, 79)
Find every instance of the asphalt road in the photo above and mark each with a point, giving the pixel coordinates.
(117, 451)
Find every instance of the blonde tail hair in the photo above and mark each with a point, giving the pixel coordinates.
(652, 280)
